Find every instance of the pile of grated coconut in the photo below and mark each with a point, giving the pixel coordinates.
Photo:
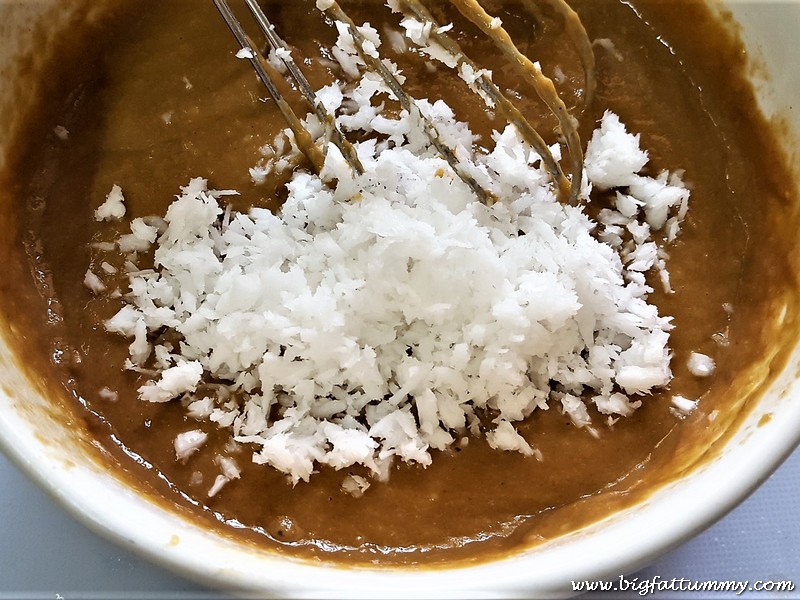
(382, 315)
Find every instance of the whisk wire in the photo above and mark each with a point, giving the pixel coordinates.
(492, 92)
(322, 113)
(407, 102)
(262, 68)
(532, 73)
(575, 30)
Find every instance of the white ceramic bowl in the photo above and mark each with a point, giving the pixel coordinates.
(40, 439)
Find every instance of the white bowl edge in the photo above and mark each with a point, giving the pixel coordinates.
(40, 445)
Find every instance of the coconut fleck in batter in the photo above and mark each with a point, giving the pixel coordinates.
(434, 379)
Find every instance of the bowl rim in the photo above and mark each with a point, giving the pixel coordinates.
(96, 498)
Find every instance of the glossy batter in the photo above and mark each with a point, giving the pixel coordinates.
(155, 97)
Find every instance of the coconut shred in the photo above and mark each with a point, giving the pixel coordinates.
(380, 317)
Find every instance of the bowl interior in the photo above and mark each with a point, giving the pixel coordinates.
(40, 436)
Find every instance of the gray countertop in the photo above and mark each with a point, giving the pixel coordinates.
(44, 553)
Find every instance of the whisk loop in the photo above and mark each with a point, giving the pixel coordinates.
(568, 188)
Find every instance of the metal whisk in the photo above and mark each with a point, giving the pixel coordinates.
(568, 187)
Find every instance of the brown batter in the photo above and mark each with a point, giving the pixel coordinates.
(159, 99)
